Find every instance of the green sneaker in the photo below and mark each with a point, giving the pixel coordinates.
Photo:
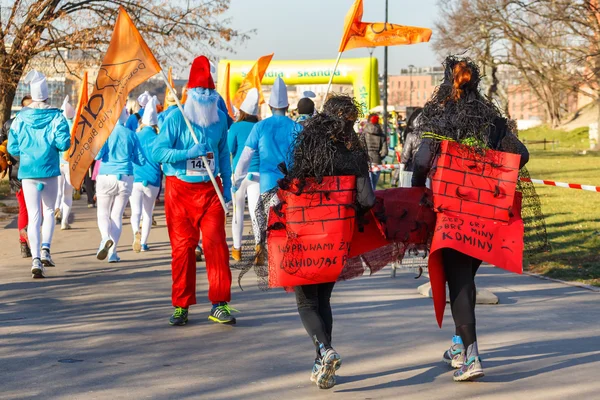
(179, 317)
(222, 314)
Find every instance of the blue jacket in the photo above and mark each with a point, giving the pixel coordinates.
(132, 121)
(62, 153)
(150, 172)
(38, 136)
(163, 115)
(172, 144)
(272, 139)
(236, 139)
(120, 152)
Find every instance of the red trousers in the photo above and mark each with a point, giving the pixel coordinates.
(23, 219)
(189, 208)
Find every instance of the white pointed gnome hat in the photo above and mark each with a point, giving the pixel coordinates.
(38, 86)
(68, 110)
(279, 96)
(250, 104)
(144, 98)
(150, 116)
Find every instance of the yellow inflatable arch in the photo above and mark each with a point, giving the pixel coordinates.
(361, 73)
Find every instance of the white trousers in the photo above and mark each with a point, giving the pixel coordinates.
(142, 204)
(40, 204)
(111, 198)
(252, 190)
(64, 199)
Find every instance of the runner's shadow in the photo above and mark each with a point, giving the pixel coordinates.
(433, 370)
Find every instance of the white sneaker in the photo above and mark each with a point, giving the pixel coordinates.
(65, 226)
(46, 259)
(137, 242)
(37, 269)
(105, 245)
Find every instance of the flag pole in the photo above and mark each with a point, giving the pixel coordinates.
(337, 62)
(187, 122)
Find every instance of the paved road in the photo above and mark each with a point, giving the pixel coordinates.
(99, 331)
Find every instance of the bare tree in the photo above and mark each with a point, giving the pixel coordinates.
(521, 34)
(34, 29)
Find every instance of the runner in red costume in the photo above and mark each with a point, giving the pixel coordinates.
(191, 202)
(465, 151)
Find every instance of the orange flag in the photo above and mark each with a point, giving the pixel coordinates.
(168, 103)
(252, 80)
(227, 94)
(81, 102)
(368, 34)
(184, 94)
(127, 63)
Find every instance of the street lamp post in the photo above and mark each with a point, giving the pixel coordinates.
(385, 79)
(410, 68)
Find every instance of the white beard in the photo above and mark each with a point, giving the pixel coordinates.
(202, 110)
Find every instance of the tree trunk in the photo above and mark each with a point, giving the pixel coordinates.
(7, 95)
(10, 78)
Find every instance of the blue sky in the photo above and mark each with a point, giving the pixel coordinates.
(311, 29)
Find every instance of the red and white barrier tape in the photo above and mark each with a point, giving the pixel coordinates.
(589, 188)
(384, 167)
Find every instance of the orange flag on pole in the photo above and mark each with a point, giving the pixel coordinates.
(184, 94)
(168, 103)
(127, 63)
(227, 94)
(81, 102)
(252, 80)
(373, 34)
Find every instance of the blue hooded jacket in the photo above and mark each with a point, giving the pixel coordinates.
(238, 134)
(133, 122)
(171, 147)
(163, 115)
(120, 152)
(150, 172)
(272, 138)
(38, 135)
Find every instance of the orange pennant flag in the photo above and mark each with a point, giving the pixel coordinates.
(127, 63)
(81, 102)
(227, 94)
(368, 34)
(168, 103)
(184, 94)
(252, 80)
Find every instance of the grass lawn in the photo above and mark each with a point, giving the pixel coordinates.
(572, 216)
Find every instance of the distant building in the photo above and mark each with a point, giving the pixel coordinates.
(414, 86)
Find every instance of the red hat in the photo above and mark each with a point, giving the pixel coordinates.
(200, 74)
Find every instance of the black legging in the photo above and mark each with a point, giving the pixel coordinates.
(460, 270)
(90, 190)
(315, 311)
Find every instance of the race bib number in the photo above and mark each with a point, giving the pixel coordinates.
(196, 166)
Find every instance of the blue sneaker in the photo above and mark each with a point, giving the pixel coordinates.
(330, 362)
(469, 371)
(455, 355)
(105, 245)
(145, 247)
(113, 258)
(315, 370)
